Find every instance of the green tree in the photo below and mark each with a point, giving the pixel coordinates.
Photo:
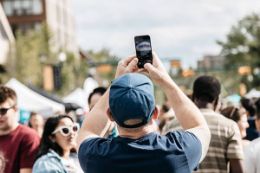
(242, 47)
(26, 65)
(103, 57)
(32, 53)
(74, 72)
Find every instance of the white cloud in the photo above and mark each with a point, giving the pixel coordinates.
(183, 28)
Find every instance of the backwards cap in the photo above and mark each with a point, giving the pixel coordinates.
(131, 97)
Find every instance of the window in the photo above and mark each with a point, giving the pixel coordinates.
(17, 8)
(7, 5)
(37, 7)
(22, 7)
(26, 4)
(17, 4)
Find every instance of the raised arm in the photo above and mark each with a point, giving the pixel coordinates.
(97, 123)
(187, 113)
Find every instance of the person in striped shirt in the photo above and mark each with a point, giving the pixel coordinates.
(225, 152)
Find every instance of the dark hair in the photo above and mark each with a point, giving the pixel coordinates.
(98, 90)
(6, 93)
(31, 115)
(165, 108)
(231, 112)
(206, 89)
(248, 105)
(257, 105)
(46, 142)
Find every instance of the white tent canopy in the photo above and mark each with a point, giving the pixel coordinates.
(77, 96)
(32, 101)
(253, 94)
(80, 96)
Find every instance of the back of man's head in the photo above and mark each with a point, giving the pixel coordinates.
(206, 89)
(7, 93)
(131, 100)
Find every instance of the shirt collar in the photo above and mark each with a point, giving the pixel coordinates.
(54, 154)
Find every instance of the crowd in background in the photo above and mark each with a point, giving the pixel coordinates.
(46, 145)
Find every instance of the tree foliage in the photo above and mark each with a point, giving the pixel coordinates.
(27, 63)
(103, 57)
(242, 46)
(74, 73)
(33, 52)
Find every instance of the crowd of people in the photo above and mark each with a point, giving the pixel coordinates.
(126, 131)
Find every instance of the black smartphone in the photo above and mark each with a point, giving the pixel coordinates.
(143, 49)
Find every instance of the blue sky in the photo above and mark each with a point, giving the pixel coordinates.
(184, 29)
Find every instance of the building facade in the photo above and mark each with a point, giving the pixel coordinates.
(30, 14)
(6, 39)
(61, 22)
(211, 62)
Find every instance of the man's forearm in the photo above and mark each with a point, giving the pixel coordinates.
(189, 116)
(96, 122)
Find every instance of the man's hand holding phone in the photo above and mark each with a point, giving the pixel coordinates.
(127, 65)
(146, 61)
(157, 71)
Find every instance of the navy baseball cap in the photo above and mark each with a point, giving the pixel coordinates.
(131, 100)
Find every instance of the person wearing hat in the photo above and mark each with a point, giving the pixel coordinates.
(139, 148)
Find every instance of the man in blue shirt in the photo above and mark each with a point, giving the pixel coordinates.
(140, 148)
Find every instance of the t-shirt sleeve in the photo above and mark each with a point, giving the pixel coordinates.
(235, 149)
(29, 148)
(87, 148)
(191, 146)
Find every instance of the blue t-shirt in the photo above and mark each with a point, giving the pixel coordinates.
(177, 152)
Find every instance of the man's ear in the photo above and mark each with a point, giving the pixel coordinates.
(109, 114)
(155, 113)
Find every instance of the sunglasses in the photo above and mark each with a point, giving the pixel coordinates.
(67, 130)
(3, 111)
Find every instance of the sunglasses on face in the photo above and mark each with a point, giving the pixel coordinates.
(3, 111)
(67, 130)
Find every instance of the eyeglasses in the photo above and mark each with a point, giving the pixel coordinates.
(67, 130)
(3, 111)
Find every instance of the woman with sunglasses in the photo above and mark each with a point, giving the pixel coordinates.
(58, 139)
